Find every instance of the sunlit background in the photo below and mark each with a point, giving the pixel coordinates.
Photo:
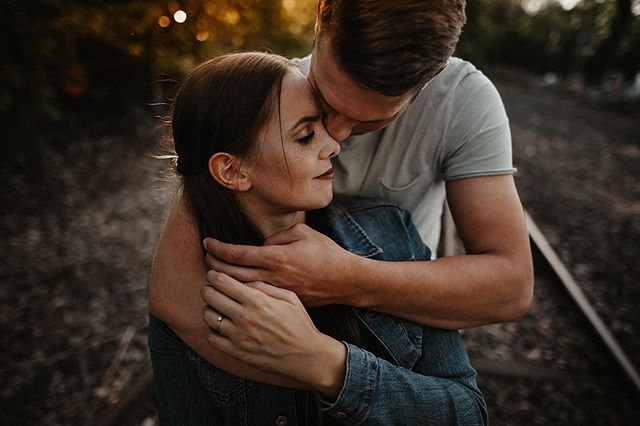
(76, 49)
(84, 86)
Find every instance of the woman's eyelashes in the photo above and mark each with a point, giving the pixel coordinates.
(305, 140)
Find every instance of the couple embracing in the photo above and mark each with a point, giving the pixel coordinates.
(295, 281)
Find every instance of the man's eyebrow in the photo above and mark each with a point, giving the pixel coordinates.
(306, 119)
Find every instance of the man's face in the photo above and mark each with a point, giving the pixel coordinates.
(348, 107)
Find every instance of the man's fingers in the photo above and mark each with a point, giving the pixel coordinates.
(240, 255)
(240, 273)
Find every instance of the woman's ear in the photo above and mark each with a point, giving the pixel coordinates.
(225, 169)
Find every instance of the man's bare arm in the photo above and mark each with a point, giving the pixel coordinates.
(492, 283)
(177, 278)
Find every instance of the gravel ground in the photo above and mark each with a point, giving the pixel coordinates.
(579, 177)
(82, 212)
(81, 216)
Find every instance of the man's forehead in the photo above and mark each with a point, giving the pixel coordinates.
(345, 95)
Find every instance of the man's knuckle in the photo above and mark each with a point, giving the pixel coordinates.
(234, 256)
(277, 258)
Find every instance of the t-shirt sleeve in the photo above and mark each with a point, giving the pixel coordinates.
(303, 63)
(478, 139)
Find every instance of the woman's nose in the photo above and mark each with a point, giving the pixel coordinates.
(335, 148)
(331, 148)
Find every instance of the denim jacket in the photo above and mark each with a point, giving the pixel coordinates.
(426, 379)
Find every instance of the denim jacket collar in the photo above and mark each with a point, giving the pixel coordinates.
(348, 233)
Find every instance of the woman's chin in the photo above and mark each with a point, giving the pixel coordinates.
(328, 198)
(321, 202)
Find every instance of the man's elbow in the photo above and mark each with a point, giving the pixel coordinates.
(521, 295)
(158, 302)
(155, 302)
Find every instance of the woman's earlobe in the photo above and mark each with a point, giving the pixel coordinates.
(225, 169)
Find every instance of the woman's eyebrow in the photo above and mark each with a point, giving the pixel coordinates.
(306, 119)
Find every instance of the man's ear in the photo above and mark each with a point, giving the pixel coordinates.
(319, 7)
(225, 169)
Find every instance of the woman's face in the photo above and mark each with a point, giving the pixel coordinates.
(290, 169)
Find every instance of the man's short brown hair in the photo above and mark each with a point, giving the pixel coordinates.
(391, 46)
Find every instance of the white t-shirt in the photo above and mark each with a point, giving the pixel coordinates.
(456, 128)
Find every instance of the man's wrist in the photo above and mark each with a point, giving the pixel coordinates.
(355, 282)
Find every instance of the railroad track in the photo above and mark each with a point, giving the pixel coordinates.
(132, 407)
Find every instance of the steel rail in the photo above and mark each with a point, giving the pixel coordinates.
(564, 276)
(131, 407)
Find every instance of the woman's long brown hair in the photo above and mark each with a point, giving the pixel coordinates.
(221, 106)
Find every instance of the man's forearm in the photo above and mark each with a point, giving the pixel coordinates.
(492, 283)
(452, 292)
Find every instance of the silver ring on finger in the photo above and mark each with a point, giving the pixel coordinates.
(219, 319)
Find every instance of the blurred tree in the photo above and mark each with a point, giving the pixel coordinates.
(592, 38)
(605, 52)
(54, 49)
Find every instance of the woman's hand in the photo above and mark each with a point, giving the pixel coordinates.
(269, 328)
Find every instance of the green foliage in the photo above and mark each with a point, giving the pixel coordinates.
(53, 47)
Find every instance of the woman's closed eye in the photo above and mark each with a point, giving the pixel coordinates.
(305, 140)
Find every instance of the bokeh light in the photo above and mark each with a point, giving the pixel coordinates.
(202, 35)
(232, 16)
(180, 16)
(164, 21)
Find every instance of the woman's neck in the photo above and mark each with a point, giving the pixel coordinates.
(267, 225)
(268, 219)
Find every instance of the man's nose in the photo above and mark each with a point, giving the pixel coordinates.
(338, 126)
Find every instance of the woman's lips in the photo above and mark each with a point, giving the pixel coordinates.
(328, 175)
